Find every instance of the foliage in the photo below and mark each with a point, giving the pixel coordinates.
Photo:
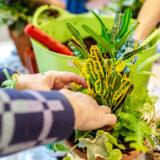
(101, 146)
(113, 42)
(105, 83)
(116, 6)
(16, 14)
(107, 68)
(9, 83)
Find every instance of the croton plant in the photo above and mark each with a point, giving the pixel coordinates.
(107, 67)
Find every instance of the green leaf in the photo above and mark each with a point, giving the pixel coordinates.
(136, 51)
(100, 147)
(105, 35)
(77, 37)
(116, 26)
(125, 23)
(6, 74)
(145, 73)
(99, 39)
(98, 18)
(80, 134)
(124, 37)
(113, 141)
(59, 146)
(72, 156)
(78, 51)
(147, 62)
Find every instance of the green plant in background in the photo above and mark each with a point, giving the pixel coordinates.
(107, 68)
(16, 14)
(116, 6)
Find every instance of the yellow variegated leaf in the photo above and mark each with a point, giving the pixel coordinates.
(120, 66)
(96, 55)
(89, 69)
(98, 87)
(121, 93)
(78, 65)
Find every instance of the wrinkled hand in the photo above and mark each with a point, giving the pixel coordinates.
(48, 81)
(88, 114)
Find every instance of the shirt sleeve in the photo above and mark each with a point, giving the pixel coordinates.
(30, 118)
(76, 6)
(2, 75)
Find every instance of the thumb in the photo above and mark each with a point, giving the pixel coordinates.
(109, 120)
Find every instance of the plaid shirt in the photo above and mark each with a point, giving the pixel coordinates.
(30, 118)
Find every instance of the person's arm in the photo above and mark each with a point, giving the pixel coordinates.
(58, 3)
(30, 118)
(76, 6)
(148, 17)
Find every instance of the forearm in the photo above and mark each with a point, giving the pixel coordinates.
(148, 17)
(29, 119)
(58, 3)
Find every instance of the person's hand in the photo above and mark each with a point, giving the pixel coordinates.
(88, 114)
(48, 81)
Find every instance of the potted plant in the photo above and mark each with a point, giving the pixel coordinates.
(109, 72)
(116, 6)
(16, 15)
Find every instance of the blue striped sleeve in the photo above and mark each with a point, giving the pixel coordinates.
(30, 118)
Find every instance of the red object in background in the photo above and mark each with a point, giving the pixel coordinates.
(46, 40)
(30, 61)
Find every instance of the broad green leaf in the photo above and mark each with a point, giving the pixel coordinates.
(59, 146)
(100, 147)
(125, 23)
(113, 141)
(96, 147)
(147, 62)
(72, 156)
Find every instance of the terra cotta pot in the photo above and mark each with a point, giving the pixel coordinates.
(21, 42)
(133, 155)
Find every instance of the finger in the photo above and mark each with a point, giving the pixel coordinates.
(69, 86)
(58, 85)
(68, 77)
(109, 120)
(106, 109)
